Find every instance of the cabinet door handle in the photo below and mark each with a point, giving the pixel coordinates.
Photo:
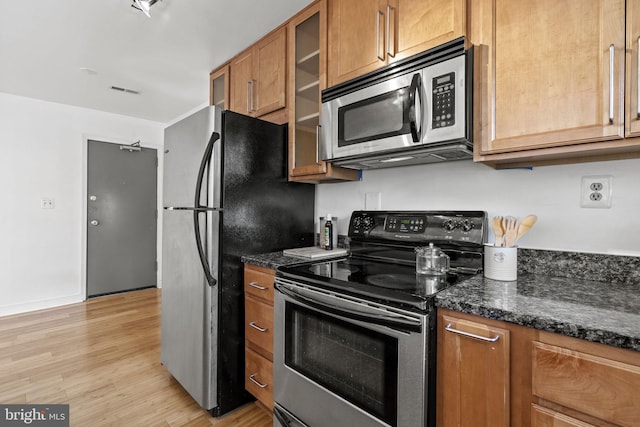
(470, 335)
(255, 285)
(250, 96)
(612, 57)
(254, 326)
(391, 48)
(381, 58)
(638, 76)
(318, 143)
(252, 378)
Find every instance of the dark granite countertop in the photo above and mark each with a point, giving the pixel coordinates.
(603, 312)
(555, 292)
(271, 260)
(276, 259)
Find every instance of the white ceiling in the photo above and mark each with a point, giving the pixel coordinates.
(44, 44)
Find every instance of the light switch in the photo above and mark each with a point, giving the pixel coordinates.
(47, 203)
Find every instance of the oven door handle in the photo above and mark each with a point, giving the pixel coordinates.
(345, 309)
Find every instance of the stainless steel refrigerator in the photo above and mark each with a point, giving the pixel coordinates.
(226, 195)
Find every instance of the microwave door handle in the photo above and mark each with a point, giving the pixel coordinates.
(415, 117)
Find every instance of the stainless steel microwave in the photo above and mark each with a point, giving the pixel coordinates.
(418, 110)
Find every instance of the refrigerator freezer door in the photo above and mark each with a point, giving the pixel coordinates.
(184, 144)
(189, 308)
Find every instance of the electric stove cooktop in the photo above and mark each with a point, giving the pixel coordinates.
(381, 264)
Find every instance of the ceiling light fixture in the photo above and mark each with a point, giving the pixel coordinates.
(144, 6)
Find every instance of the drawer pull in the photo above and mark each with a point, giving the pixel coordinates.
(252, 378)
(470, 335)
(255, 285)
(254, 326)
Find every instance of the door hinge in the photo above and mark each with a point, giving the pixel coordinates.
(156, 265)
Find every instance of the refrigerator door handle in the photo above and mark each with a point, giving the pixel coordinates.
(206, 159)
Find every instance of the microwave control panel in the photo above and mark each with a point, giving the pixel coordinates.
(443, 112)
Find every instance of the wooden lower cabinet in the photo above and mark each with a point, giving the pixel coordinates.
(590, 382)
(543, 417)
(258, 313)
(259, 377)
(530, 378)
(473, 374)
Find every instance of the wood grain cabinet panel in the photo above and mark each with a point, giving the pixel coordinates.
(543, 417)
(365, 35)
(632, 101)
(258, 282)
(259, 326)
(473, 374)
(259, 378)
(258, 313)
(271, 73)
(258, 76)
(550, 84)
(600, 387)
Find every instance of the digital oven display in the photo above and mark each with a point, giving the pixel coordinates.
(406, 224)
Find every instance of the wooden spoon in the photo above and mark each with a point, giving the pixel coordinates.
(497, 229)
(510, 225)
(525, 225)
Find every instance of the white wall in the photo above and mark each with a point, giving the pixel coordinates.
(551, 192)
(41, 156)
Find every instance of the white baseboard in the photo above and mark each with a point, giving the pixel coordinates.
(39, 305)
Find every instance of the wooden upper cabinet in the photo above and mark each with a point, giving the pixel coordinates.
(241, 71)
(549, 76)
(271, 72)
(632, 102)
(219, 87)
(259, 76)
(365, 35)
(307, 57)
(423, 24)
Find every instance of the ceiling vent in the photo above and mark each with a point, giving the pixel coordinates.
(121, 89)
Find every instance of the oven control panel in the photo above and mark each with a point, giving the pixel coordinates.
(457, 227)
(405, 224)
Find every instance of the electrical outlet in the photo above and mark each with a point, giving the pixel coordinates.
(595, 191)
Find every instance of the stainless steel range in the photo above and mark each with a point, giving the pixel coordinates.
(355, 337)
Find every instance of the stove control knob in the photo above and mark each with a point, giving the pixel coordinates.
(368, 223)
(467, 225)
(449, 225)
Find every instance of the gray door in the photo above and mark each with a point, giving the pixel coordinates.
(121, 218)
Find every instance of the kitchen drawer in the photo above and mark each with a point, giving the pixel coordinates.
(543, 417)
(258, 282)
(600, 387)
(259, 326)
(259, 377)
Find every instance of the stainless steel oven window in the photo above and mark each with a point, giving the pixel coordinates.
(366, 374)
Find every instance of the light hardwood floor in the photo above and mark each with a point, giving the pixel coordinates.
(102, 357)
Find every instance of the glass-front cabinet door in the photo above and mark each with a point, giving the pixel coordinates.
(219, 87)
(307, 78)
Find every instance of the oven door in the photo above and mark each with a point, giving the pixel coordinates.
(385, 116)
(339, 360)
